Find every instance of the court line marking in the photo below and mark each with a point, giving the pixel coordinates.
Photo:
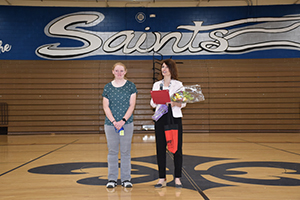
(264, 145)
(22, 165)
(190, 179)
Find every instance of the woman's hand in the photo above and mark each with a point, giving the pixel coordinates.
(178, 104)
(119, 124)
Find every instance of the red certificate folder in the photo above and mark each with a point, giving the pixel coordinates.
(160, 96)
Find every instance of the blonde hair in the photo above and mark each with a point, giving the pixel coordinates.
(121, 64)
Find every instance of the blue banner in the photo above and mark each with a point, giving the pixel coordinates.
(65, 33)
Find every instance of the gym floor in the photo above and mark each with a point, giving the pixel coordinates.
(216, 166)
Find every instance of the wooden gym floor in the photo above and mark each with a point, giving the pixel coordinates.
(217, 166)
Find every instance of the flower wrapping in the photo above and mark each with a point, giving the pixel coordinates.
(188, 94)
(163, 109)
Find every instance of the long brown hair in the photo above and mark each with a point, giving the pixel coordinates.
(171, 64)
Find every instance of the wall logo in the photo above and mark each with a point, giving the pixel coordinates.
(4, 47)
(233, 37)
(140, 17)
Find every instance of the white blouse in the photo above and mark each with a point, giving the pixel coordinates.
(175, 85)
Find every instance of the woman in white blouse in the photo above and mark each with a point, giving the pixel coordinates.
(170, 82)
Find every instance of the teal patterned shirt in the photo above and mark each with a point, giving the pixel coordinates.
(119, 100)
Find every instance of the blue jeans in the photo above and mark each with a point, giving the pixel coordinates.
(114, 140)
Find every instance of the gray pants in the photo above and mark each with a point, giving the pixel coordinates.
(114, 140)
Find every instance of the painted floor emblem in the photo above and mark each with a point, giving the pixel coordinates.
(235, 172)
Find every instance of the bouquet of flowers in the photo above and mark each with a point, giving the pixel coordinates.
(185, 94)
(188, 94)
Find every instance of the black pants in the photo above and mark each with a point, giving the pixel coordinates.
(161, 145)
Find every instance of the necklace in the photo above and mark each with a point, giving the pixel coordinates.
(162, 84)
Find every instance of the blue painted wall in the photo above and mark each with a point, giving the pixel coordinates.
(64, 33)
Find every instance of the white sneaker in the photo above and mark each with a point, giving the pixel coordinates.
(127, 184)
(111, 184)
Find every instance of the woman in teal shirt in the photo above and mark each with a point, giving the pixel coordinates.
(119, 98)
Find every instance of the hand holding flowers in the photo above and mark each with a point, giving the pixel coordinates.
(185, 94)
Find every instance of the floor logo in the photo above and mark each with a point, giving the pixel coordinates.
(235, 172)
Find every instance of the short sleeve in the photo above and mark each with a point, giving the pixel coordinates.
(133, 89)
(105, 91)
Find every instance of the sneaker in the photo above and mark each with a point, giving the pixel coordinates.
(111, 184)
(127, 184)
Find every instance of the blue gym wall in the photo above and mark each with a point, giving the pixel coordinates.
(67, 33)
